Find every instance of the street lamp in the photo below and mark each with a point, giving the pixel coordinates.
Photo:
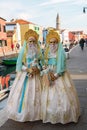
(84, 9)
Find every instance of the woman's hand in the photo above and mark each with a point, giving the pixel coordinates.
(29, 70)
(44, 67)
(35, 70)
(52, 76)
(32, 71)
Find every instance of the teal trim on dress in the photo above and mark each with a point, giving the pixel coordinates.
(52, 61)
(61, 59)
(30, 60)
(20, 57)
(22, 95)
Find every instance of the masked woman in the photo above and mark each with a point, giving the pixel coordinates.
(59, 101)
(24, 101)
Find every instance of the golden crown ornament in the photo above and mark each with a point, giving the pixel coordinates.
(52, 34)
(31, 33)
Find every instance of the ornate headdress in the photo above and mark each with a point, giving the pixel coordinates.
(52, 34)
(30, 33)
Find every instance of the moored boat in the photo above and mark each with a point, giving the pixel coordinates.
(10, 61)
(4, 93)
(5, 85)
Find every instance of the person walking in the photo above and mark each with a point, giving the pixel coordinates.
(12, 47)
(18, 46)
(81, 43)
(86, 42)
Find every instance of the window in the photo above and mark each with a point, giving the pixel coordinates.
(36, 28)
(0, 43)
(5, 43)
(4, 29)
(0, 27)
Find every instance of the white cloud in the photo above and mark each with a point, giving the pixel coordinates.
(44, 12)
(80, 2)
(51, 2)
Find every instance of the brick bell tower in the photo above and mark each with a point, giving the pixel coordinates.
(57, 22)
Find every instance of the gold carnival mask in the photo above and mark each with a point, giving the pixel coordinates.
(31, 33)
(52, 34)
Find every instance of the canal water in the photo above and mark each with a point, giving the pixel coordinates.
(4, 70)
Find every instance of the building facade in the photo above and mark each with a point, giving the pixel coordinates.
(19, 27)
(3, 35)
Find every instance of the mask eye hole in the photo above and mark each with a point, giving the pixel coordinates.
(32, 41)
(53, 42)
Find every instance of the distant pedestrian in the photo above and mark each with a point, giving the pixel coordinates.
(66, 48)
(86, 42)
(12, 47)
(81, 43)
(17, 46)
(66, 51)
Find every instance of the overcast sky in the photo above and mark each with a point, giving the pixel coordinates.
(44, 12)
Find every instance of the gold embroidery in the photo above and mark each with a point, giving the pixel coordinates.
(30, 33)
(52, 34)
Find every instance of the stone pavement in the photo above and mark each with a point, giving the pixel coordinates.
(81, 86)
(77, 67)
(8, 54)
(77, 63)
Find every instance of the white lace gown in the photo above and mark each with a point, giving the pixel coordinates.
(59, 100)
(24, 101)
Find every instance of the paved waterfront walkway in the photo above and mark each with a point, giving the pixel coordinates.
(8, 53)
(79, 76)
(77, 65)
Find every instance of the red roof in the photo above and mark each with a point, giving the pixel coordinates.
(2, 18)
(21, 21)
